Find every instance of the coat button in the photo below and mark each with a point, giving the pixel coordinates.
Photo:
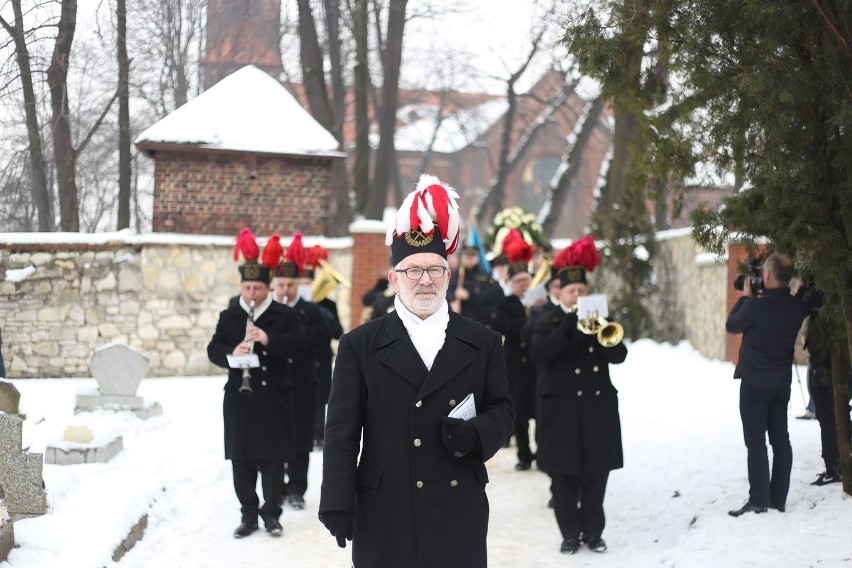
(523, 359)
(263, 368)
(577, 371)
(316, 364)
(579, 393)
(419, 485)
(263, 383)
(452, 402)
(598, 392)
(264, 353)
(417, 442)
(418, 404)
(591, 349)
(523, 344)
(289, 359)
(454, 483)
(595, 368)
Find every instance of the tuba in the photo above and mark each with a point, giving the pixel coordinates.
(326, 281)
(542, 275)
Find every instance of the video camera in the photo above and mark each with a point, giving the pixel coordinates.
(753, 269)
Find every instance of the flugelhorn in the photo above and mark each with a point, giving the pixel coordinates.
(326, 281)
(245, 388)
(609, 333)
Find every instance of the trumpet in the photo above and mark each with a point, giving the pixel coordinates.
(245, 387)
(609, 333)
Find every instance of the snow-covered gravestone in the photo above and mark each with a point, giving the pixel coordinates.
(118, 370)
(10, 398)
(80, 445)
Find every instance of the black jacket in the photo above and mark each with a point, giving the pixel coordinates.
(770, 324)
(414, 504)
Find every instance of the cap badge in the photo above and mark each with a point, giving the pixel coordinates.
(417, 238)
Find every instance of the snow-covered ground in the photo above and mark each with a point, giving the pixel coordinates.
(685, 467)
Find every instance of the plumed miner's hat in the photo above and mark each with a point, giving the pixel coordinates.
(427, 221)
(518, 252)
(313, 256)
(576, 260)
(292, 263)
(250, 269)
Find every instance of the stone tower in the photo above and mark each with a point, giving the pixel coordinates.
(240, 33)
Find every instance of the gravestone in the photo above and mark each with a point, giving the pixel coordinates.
(7, 531)
(20, 472)
(118, 370)
(80, 445)
(10, 398)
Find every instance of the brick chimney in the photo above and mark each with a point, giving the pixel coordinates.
(240, 33)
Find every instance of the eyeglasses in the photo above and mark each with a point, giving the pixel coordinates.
(416, 273)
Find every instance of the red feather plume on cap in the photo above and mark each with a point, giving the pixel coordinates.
(246, 246)
(581, 252)
(296, 252)
(517, 250)
(273, 251)
(314, 254)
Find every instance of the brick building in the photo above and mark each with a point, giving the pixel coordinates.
(243, 153)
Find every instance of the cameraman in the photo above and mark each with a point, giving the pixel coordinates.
(769, 323)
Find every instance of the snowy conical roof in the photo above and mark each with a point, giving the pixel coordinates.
(247, 111)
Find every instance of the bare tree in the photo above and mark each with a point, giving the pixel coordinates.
(361, 163)
(123, 117)
(38, 170)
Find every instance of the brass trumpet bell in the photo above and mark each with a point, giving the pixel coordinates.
(609, 333)
(542, 275)
(326, 281)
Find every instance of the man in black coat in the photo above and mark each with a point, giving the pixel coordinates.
(315, 335)
(508, 318)
(770, 323)
(474, 293)
(413, 495)
(258, 425)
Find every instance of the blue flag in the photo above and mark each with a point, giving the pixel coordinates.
(474, 241)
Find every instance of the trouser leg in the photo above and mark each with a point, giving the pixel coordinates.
(782, 451)
(270, 481)
(245, 482)
(822, 392)
(592, 491)
(566, 489)
(297, 465)
(754, 412)
(522, 437)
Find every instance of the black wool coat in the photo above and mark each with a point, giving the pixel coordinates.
(578, 428)
(258, 425)
(483, 293)
(414, 504)
(508, 318)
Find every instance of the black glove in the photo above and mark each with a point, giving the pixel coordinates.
(569, 324)
(459, 436)
(340, 524)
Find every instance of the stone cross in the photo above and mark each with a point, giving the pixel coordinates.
(20, 472)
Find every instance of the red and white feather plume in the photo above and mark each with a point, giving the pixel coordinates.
(314, 254)
(246, 246)
(431, 204)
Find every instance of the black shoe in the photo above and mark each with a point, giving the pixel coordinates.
(597, 544)
(779, 508)
(749, 507)
(245, 529)
(827, 477)
(296, 501)
(273, 527)
(570, 546)
(523, 465)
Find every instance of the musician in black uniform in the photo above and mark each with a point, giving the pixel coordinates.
(473, 292)
(315, 333)
(579, 429)
(258, 424)
(509, 318)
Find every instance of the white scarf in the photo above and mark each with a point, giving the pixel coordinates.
(258, 309)
(428, 334)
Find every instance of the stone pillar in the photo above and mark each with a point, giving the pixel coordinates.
(370, 258)
(20, 472)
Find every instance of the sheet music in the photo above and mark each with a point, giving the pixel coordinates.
(465, 410)
(250, 360)
(592, 305)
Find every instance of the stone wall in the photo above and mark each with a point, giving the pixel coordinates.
(159, 294)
